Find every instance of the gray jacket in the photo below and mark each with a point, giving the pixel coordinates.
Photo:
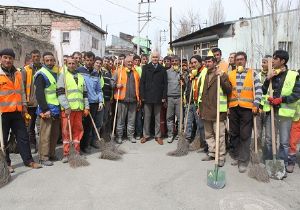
(173, 83)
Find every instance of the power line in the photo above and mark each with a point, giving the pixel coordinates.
(121, 6)
(84, 11)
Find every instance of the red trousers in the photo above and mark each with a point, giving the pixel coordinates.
(76, 129)
(294, 137)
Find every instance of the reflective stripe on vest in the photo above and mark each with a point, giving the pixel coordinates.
(11, 93)
(123, 81)
(223, 97)
(75, 91)
(245, 97)
(288, 110)
(50, 92)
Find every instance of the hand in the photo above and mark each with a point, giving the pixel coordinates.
(46, 114)
(255, 110)
(198, 112)
(100, 107)
(219, 72)
(119, 86)
(86, 112)
(275, 101)
(67, 112)
(163, 100)
(270, 75)
(139, 105)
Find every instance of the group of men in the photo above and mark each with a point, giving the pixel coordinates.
(147, 98)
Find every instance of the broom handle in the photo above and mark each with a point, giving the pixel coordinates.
(218, 122)
(254, 116)
(188, 107)
(1, 135)
(70, 129)
(272, 110)
(181, 111)
(92, 120)
(117, 102)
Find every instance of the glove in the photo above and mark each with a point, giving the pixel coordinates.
(68, 112)
(100, 107)
(86, 112)
(275, 101)
(119, 86)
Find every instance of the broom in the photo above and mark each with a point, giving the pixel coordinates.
(74, 159)
(182, 145)
(256, 171)
(4, 171)
(107, 148)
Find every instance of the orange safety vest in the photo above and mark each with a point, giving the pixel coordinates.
(195, 84)
(29, 77)
(245, 97)
(123, 81)
(10, 93)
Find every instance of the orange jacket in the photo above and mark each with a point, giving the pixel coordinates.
(10, 93)
(246, 97)
(122, 74)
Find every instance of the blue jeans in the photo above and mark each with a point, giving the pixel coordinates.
(192, 116)
(282, 128)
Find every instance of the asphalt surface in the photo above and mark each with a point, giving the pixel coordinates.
(146, 178)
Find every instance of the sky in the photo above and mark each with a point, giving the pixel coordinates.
(123, 18)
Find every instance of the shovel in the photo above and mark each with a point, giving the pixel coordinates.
(216, 177)
(275, 167)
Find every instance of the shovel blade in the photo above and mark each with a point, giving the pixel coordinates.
(275, 168)
(216, 178)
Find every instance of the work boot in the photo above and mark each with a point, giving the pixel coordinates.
(170, 140)
(95, 145)
(11, 169)
(35, 165)
(234, 162)
(221, 163)
(138, 137)
(132, 139)
(290, 168)
(46, 162)
(119, 140)
(65, 159)
(242, 168)
(207, 158)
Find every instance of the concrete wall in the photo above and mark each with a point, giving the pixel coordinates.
(22, 45)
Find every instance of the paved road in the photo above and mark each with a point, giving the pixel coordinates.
(144, 179)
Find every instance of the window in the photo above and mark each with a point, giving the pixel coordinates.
(287, 46)
(65, 36)
(204, 47)
(95, 43)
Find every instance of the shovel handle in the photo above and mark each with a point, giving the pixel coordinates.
(218, 122)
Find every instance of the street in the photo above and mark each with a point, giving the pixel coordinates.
(146, 178)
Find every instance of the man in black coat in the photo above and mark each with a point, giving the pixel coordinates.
(153, 93)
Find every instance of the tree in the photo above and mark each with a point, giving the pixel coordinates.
(216, 12)
(188, 24)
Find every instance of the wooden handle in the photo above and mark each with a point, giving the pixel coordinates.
(70, 129)
(1, 135)
(181, 91)
(94, 125)
(254, 117)
(272, 109)
(218, 122)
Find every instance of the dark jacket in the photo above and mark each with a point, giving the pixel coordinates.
(208, 106)
(153, 84)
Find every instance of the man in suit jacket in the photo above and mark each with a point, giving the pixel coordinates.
(153, 93)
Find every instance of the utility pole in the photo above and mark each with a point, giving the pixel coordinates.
(171, 47)
(143, 17)
(162, 38)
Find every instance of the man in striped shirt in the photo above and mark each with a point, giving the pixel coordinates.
(244, 102)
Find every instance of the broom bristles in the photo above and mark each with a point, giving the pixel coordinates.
(109, 155)
(75, 160)
(4, 171)
(182, 148)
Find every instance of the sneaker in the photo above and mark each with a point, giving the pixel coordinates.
(234, 162)
(132, 139)
(221, 163)
(65, 159)
(119, 140)
(46, 162)
(138, 137)
(170, 140)
(207, 158)
(242, 168)
(290, 168)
